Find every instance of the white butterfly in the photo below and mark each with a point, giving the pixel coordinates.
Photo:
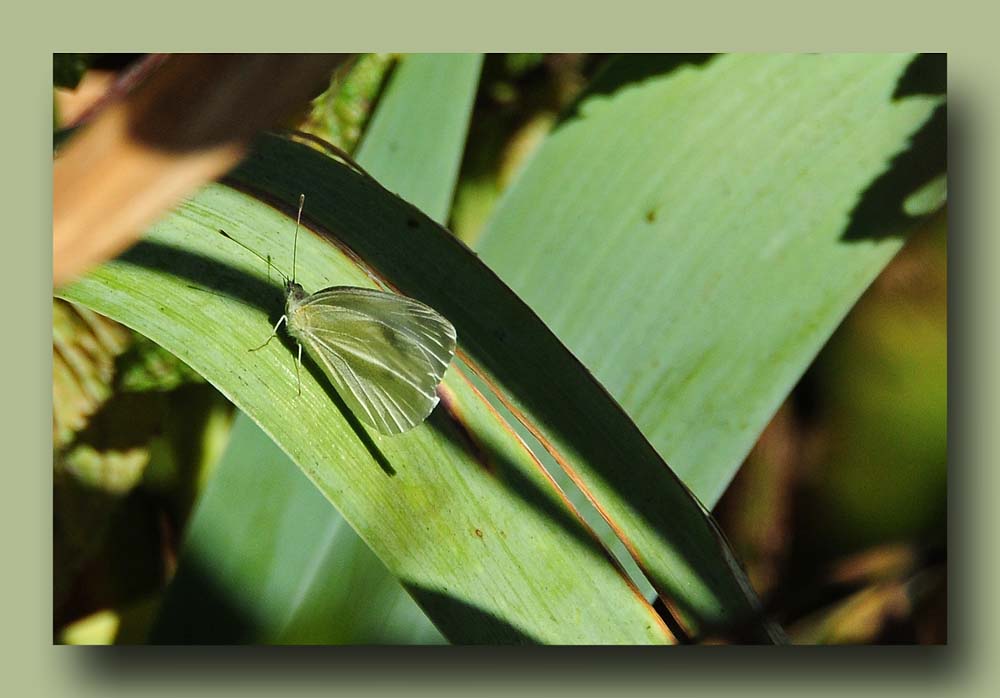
(384, 353)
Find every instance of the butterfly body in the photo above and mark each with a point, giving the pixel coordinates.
(384, 353)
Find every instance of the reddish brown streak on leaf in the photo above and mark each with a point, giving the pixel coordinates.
(558, 490)
(450, 406)
(571, 472)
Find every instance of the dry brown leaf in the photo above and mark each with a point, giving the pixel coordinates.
(189, 122)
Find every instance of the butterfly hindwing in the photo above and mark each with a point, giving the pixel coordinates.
(384, 353)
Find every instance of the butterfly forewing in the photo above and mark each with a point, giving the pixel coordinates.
(384, 353)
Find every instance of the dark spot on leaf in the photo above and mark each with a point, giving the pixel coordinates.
(651, 215)
(479, 534)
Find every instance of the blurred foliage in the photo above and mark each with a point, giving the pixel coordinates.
(68, 68)
(520, 96)
(340, 114)
(84, 347)
(148, 366)
(123, 490)
(840, 511)
(881, 393)
(134, 432)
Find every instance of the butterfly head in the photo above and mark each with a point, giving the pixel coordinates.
(294, 293)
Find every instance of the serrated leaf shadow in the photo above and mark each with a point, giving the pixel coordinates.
(620, 72)
(879, 213)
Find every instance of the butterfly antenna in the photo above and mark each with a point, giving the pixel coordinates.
(295, 242)
(255, 253)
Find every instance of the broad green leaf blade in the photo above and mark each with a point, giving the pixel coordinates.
(456, 509)
(305, 599)
(558, 397)
(414, 143)
(267, 559)
(695, 232)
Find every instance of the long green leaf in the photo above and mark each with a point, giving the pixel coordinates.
(414, 143)
(694, 231)
(695, 228)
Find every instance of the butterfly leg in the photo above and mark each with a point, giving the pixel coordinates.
(298, 368)
(273, 334)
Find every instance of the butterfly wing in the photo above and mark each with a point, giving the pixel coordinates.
(384, 353)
